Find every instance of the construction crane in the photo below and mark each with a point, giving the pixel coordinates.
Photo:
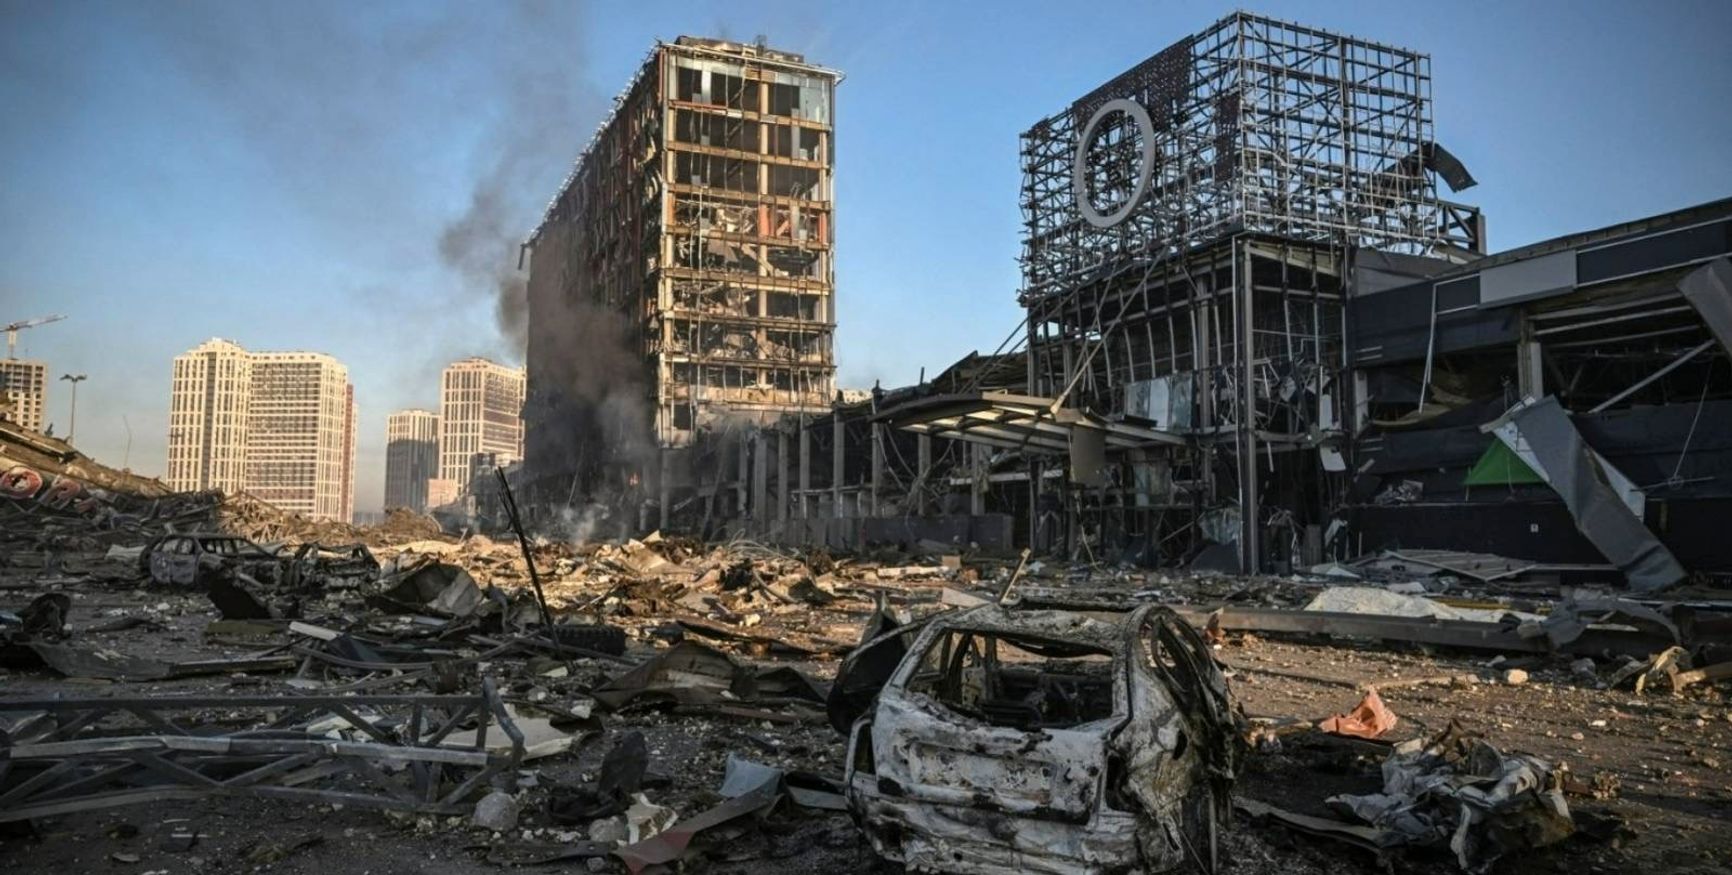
(13, 329)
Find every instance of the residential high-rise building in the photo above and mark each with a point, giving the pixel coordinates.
(23, 392)
(411, 457)
(207, 420)
(299, 449)
(349, 420)
(480, 411)
(279, 425)
(682, 278)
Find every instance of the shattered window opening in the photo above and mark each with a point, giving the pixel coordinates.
(1016, 681)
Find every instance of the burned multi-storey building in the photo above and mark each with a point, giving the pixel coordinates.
(681, 281)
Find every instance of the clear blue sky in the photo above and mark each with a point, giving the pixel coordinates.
(279, 173)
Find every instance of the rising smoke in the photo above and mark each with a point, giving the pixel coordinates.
(412, 145)
(367, 115)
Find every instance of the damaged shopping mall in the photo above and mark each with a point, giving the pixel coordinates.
(1258, 334)
(1293, 530)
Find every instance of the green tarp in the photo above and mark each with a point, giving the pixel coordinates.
(1500, 466)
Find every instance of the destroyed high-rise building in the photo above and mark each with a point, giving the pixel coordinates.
(411, 457)
(279, 425)
(682, 278)
(24, 392)
(480, 412)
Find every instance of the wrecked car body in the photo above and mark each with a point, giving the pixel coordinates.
(1047, 741)
(191, 559)
(331, 565)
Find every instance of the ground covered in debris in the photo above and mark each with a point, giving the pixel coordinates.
(721, 660)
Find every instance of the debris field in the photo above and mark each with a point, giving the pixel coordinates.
(413, 709)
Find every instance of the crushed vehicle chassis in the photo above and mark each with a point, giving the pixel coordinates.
(1047, 741)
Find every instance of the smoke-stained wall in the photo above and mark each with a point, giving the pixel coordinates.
(587, 406)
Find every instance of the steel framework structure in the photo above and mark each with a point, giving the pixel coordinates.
(401, 751)
(1188, 230)
(1253, 124)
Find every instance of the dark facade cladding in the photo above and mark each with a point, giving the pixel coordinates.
(1600, 321)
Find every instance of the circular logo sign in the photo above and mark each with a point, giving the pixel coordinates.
(1115, 159)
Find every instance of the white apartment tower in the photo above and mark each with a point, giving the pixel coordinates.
(279, 425)
(207, 419)
(23, 392)
(480, 411)
(299, 451)
(411, 457)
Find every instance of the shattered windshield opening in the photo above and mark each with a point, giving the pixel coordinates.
(1016, 681)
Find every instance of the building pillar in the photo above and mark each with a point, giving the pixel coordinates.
(877, 509)
(839, 436)
(664, 490)
(923, 477)
(742, 468)
(978, 471)
(761, 481)
(805, 471)
(1530, 368)
(783, 495)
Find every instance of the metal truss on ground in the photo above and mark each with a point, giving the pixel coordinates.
(408, 752)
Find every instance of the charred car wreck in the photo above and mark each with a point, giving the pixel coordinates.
(1044, 741)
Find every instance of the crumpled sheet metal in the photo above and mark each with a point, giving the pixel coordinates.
(1542, 434)
(1459, 790)
(1575, 614)
(693, 674)
(1709, 290)
(671, 844)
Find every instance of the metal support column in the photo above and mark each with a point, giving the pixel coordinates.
(1250, 554)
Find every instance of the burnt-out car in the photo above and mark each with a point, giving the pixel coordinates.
(190, 559)
(1045, 741)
